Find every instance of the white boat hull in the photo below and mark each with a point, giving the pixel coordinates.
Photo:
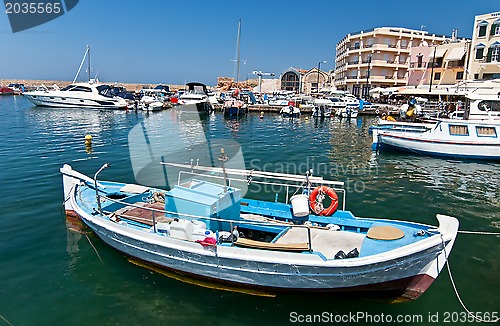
(438, 141)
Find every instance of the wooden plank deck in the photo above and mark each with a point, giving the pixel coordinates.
(142, 215)
(242, 242)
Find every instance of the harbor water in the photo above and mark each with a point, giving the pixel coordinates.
(52, 275)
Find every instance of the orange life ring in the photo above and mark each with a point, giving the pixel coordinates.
(317, 207)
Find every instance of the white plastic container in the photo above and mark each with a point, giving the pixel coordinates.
(300, 205)
(198, 225)
(163, 228)
(181, 229)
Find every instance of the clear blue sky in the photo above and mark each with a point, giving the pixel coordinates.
(154, 41)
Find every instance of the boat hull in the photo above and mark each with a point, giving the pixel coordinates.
(68, 102)
(431, 147)
(408, 273)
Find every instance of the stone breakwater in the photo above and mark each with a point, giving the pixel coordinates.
(33, 83)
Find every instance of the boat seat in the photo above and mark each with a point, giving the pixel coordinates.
(243, 242)
(385, 232)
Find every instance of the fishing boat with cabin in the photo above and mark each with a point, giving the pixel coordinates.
(204, 228)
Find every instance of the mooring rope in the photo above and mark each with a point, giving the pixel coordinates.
(6, 320)
(476, 318)
(479, 232)
(93, 247)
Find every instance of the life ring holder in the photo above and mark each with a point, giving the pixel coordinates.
(316, 201)
(159, 197)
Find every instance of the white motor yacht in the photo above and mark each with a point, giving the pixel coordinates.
(89, 95)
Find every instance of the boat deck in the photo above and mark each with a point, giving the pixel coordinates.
(141, 215)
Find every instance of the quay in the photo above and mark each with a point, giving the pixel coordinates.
(369, 111)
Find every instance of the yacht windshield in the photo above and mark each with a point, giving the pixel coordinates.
(104, 90)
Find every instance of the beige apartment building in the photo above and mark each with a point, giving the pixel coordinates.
(484, 61)
(378, 57)
(438, 65)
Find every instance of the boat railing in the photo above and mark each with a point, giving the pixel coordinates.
(204, 218)
(301, 183)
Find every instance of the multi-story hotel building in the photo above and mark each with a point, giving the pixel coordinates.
(484, 61)
(378, 57)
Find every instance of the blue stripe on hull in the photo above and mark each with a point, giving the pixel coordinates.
(439, 154)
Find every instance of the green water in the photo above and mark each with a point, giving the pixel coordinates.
(52, 276)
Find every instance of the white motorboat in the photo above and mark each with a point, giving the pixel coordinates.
(482, 107)
(290, 112)
(322, 108)
(469, 139)
(78, 95)
(91, 94)
(196, 96)
(349, 111)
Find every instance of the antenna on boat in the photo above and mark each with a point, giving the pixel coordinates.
(105, 166)
(223, 158)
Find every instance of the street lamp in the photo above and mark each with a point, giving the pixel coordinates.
(368, 77)
(319, 69)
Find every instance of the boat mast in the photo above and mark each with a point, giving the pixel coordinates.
(238, 60)
(239, 53)
(88, 51)
(81, 64)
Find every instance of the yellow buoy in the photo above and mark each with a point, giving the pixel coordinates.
(88, 140)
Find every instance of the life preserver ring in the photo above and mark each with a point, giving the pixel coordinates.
(159, 197)
(316, 203)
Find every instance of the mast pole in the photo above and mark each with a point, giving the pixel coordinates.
(88, 51)
(238, 54)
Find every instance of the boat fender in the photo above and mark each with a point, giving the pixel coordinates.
(159, 197)
(377, 111)
(333, 227)
(316, 201)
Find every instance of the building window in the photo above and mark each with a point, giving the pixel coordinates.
(495, 54)
(482, 31)
(479, 53)
(495, 29)
(437, 76)
(419, 60)
(460, 75)
(476, 76)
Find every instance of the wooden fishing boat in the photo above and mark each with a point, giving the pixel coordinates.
(203, 228)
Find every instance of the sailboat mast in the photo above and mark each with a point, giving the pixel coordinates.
(238, 54)
(88, 50)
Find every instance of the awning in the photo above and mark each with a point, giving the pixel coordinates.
(439, 53)
(456, 54)
(480, 46)
(434, 91)
(483, 23)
